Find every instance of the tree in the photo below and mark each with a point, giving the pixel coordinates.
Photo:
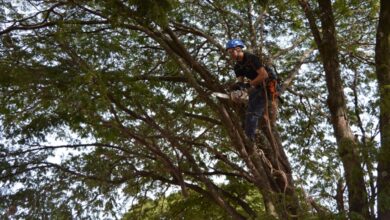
(128, 83)
(75, 75)
(195, 206)
(382, 61)
(348, 146)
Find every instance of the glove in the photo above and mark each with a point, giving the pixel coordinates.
(240, 86)
(247, 86)
(236, 86)
(251, 90)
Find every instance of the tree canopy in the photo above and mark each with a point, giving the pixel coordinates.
(106, 110)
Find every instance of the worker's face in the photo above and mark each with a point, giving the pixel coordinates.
(234, 52)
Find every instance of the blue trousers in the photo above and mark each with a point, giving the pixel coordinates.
(254, 112)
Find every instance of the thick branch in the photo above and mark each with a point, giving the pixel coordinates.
(312, 21)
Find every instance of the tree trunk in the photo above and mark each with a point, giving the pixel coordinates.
(272, 175)
(382, 61)
(347, 145)
(277, 166)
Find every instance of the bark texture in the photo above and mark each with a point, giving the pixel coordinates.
(382, 61)
(347, 145)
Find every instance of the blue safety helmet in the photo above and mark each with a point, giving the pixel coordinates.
(234, 43)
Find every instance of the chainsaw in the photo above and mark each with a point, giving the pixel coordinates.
(236, 95)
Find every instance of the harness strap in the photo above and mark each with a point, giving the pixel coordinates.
(272, 84)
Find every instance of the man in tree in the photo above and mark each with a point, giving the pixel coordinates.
(249, 66)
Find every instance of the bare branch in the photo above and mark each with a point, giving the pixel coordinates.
(287, 82)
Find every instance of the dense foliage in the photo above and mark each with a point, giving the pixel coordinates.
(106, 107)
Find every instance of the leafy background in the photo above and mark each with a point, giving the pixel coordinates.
(87, 73)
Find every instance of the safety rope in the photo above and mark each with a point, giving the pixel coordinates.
(268, 123)
(277, 171)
